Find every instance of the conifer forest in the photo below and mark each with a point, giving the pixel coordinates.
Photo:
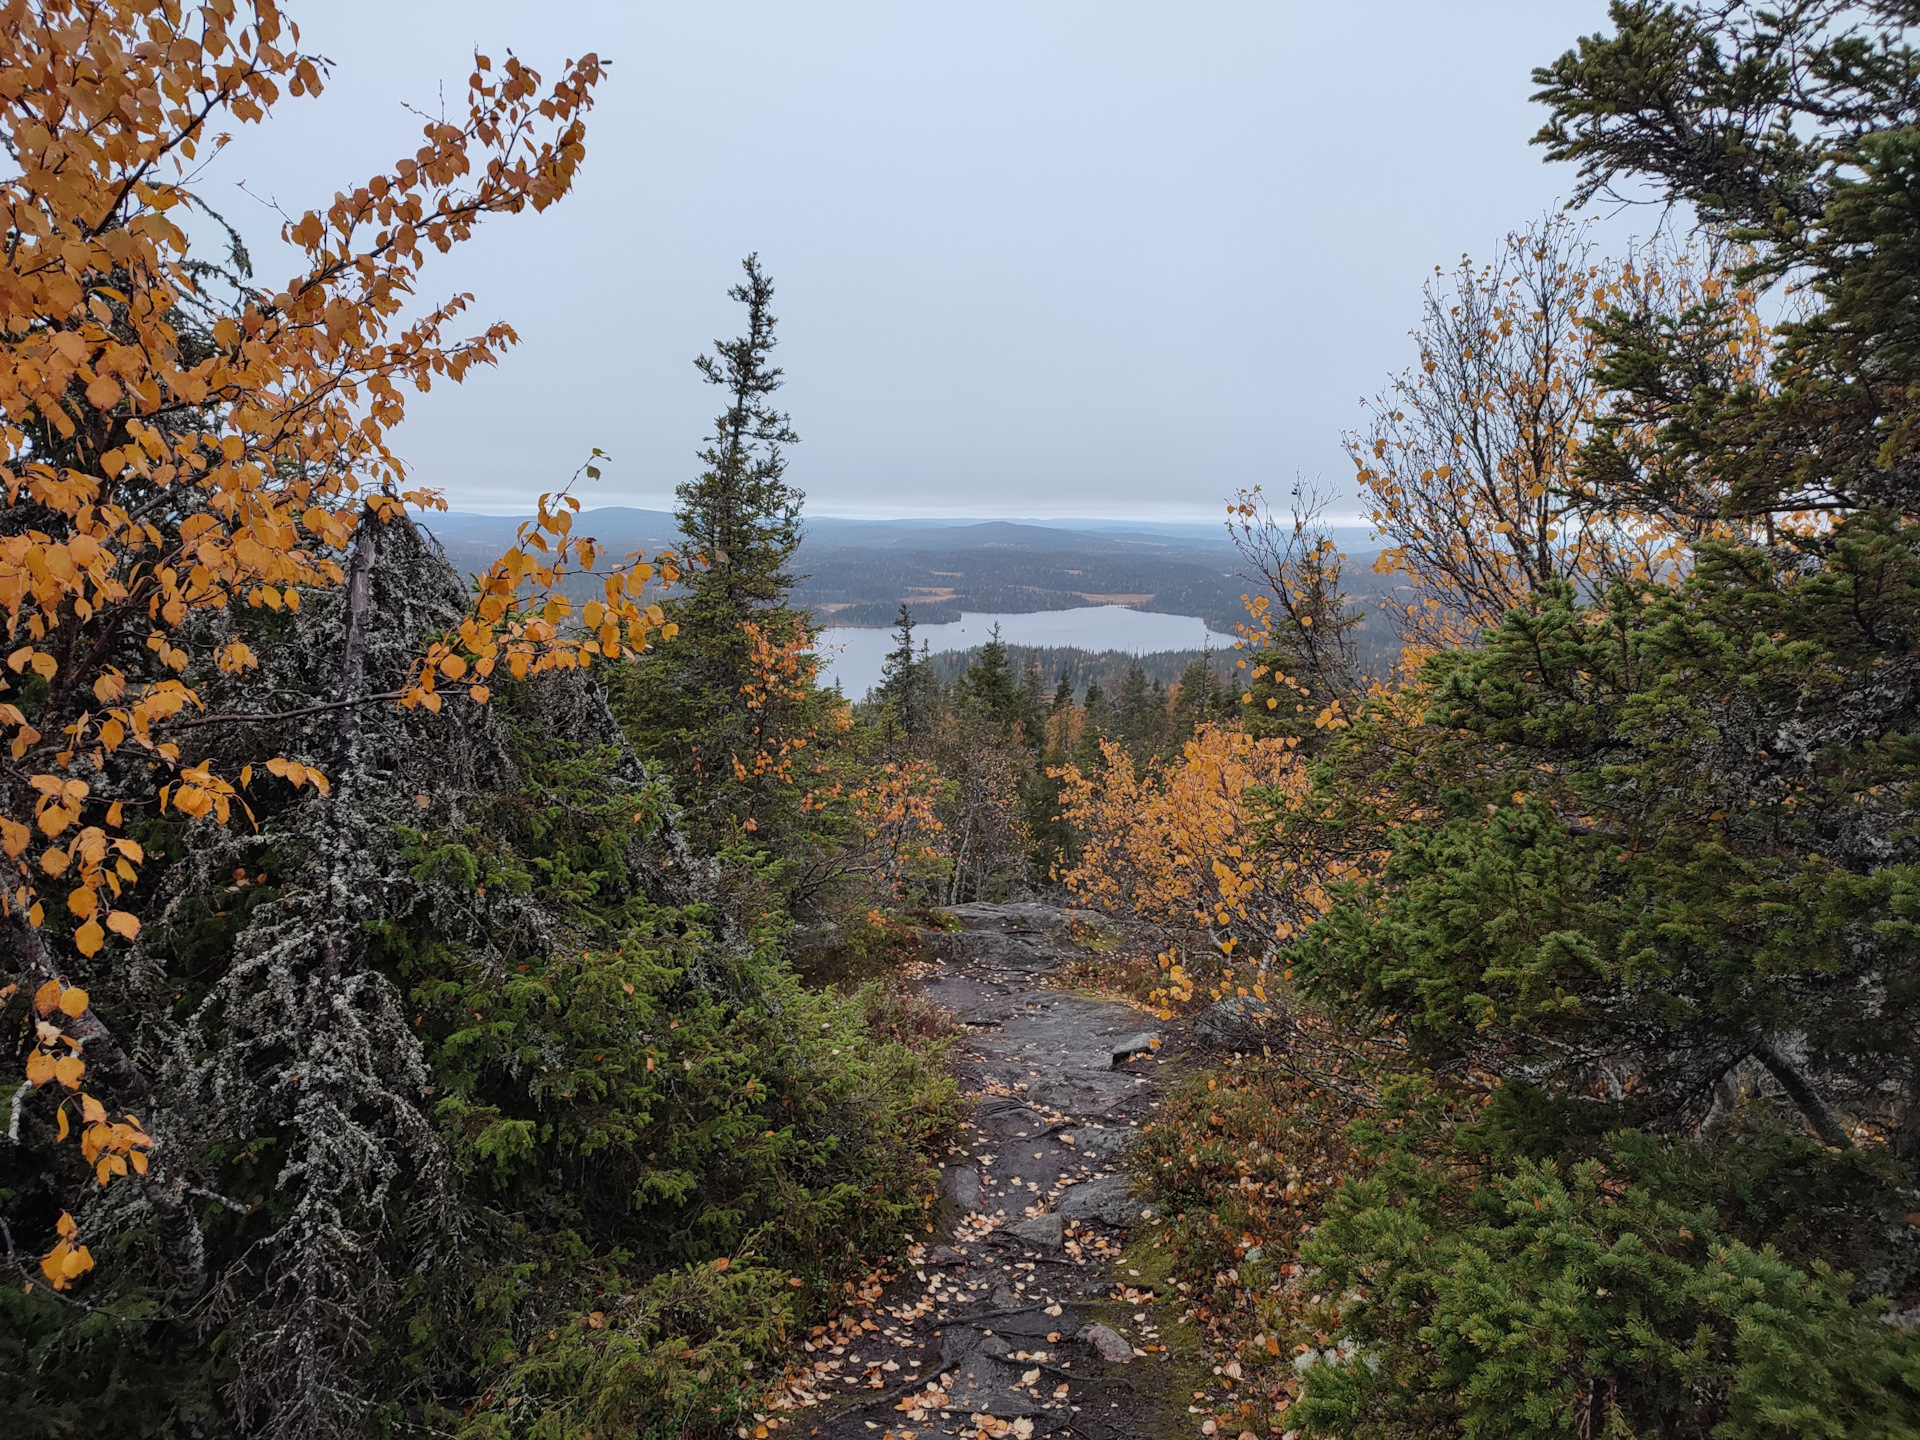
(518, 1002)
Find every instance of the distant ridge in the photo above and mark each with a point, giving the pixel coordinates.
(856, 573)
(657, 527)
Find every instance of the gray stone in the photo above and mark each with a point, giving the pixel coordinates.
(945, 1255)
(1007, 1119)
(1102, 1142)
(1243, 1023)
(1109, 1345)
(1106, 1198)
(1004, 1298)
(1048, 1233)
(985, 1380)
(962, 1186)
(1027, 915)
(1132, 1045)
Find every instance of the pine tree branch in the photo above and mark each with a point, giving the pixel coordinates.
(241, 718)
(1800, 1090)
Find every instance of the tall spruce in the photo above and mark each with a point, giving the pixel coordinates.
(692, 705)
(988, 685)
(904, 679)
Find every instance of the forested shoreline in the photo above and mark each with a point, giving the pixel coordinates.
(487, 1005)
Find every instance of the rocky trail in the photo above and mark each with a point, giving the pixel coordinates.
(1022, 1316)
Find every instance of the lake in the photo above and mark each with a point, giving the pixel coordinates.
(854, 657)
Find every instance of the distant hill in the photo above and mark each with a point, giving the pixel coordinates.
(858, 572)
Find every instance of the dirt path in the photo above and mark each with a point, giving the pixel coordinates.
(1028, 1319)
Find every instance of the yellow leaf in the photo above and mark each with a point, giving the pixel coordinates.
(68, 1070)
(122, 924)
(73, 1001)
(89, 938)
(481, 694)
(47, 998)
(39, 1068)
(94, 1112)
(60, 1117)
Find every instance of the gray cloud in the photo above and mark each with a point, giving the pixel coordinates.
(1086, 258)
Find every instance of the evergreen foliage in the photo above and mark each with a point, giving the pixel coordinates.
(1642, 910)
(739, 688)
(902, 692)
(568, 1071)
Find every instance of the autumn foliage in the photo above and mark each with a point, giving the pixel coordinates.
(178, 441)
(1470, 463)
(1175, 847)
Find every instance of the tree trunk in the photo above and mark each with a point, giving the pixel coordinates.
(1800, 1090)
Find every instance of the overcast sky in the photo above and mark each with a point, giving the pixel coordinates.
(1062, 257)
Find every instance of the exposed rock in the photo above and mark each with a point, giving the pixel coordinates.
(1054, 1047)
(962, 1186)
(1109, 1345)
(984, 1379)
(1005, 1119)
(1004, 1298)
(1027, 915)
(1243, 1023)
(945, 1255)
(1048, 1233)
(1102, 1142)
(1107, 1198)
(1140, 1044)
(1026, 936)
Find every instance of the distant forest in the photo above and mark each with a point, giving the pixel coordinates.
(1108, 669)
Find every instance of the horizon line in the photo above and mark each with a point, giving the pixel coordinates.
(895, 517)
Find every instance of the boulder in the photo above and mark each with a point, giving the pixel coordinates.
(1127, 1047)
(962, 1186)
(1110, 1345)
(1106, 1198)
(1047, 1234)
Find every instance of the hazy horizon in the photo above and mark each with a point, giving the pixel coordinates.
(1071, 260)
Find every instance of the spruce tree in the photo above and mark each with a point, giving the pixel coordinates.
(1033, 703)
(1096, 725)
(902, 692)
(740, 514)
(691, 703)
(1646, 926)
(988, 687)
(1199, 698)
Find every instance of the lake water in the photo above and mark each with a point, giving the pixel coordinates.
(854, 657)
